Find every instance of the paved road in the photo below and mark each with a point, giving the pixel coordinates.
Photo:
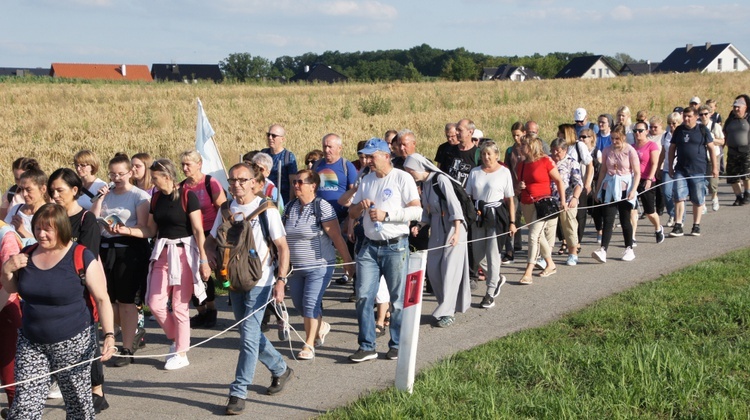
(146, 390)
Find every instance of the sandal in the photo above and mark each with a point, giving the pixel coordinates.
(548, 272)
(563, 249)
(324, 330)
(379, 330)
(526, 280)
(387, 319)
(307, 353)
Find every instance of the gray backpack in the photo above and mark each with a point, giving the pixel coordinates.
(239, 262)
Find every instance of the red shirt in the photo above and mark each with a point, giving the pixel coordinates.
(536, 177)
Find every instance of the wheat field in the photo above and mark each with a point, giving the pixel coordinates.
(51, 121)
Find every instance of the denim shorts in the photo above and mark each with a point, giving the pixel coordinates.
(692, 187)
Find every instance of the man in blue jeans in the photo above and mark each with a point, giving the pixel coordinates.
(691, 143)
(390, 199)
(254, 346)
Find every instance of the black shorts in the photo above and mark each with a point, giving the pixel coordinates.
(738, 166)
(648, 198)
(126, 269)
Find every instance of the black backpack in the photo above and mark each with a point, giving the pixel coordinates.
(467, 206)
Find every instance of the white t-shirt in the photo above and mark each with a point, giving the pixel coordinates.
(275, 230)
(25, 217)
(124, 205)
(84, 200)
(389, 193)
(489, 187)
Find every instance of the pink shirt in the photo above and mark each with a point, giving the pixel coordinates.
(620, 162)
(208, 210)
(644, 155)
(8, 248)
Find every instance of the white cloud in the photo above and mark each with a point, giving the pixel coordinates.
(621, 13)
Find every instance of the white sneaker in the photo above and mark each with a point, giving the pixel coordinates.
(54, 391)
(541, 263)
(704, 209)
(172, 350)
(629, 255)
(600, 255)
(176, 362)
(670, 222)
(715, 204)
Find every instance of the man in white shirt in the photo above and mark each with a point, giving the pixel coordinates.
(391, 200)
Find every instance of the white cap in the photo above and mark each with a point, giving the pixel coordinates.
(579, 115)
(695, 100)
(477, 134)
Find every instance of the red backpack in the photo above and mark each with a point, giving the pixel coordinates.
(80, 270)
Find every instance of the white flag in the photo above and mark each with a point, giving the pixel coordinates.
(204, 143)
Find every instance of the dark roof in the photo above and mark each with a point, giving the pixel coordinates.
(319, 73)
(638, 68)
(23, 71)
(691, 58)
(180, 72)
(578, 67)
(506, 70)
(488, 73)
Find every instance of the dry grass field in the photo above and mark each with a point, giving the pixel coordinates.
(51, 121)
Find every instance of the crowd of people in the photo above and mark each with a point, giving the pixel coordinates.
(93, 252)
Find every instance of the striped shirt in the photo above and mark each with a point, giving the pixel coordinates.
(309, 246)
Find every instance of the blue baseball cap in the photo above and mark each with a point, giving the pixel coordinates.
(375, 145)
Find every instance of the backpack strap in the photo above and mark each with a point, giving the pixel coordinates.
(207, 182)
(477, 157)
(85, 191)
(441, 196)
(78, 262)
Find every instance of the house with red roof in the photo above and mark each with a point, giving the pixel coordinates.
(129, 72)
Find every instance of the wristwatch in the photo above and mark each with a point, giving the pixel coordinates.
(387, 217)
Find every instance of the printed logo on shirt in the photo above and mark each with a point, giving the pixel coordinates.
(329, 181)
(387, 193)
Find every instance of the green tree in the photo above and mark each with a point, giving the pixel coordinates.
(244, 67)
(411, 74)
(461, 67)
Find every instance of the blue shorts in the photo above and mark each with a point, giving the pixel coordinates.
(692, 187)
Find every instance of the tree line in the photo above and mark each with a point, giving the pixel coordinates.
(418, 63)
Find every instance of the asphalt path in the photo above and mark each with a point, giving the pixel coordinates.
(146, 390)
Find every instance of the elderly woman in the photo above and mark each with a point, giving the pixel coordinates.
(535, 174)
(313, 235)
(268, 188)
(570, 173)
(124, 257)
(490, 185)
(578, 150)
(648, 156)
(447, 260)
(87, 165)
(175, 219)
(667, 187)
(211, 196)
(617, 187)
(57, 324)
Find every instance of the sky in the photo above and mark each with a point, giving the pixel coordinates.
(37, 33)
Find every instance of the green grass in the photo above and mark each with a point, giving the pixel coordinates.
(675, 347)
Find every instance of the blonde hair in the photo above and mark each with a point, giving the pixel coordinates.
(536, 151)
(87, 157)
(191, 155)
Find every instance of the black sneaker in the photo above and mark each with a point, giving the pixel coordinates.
(124, 360)
(278, 382)
(392, 354)
(487, 302)
(659, 235)
(264, 327)
(508, 259)
(343, 279)
(4, 413)
(198, 320)
(696, 231)
(100, 403)
(363, 355)
(676, 231)
(139, 342)
(235, 406)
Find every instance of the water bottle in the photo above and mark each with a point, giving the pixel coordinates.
(378, 224)
(253, 253)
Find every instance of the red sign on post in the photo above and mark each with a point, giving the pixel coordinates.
(413, 292)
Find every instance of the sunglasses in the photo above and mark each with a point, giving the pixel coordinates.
(704, 114)
(301, 182)
(158, 166)
(639, 130)
(584, 137)
(273, 136)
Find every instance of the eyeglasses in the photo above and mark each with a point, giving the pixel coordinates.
(120, 175)
(584, 137)
(704, 114)
(639, 130)
(273, 136)
(240, 181)
(300, 182)
(81, 165)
